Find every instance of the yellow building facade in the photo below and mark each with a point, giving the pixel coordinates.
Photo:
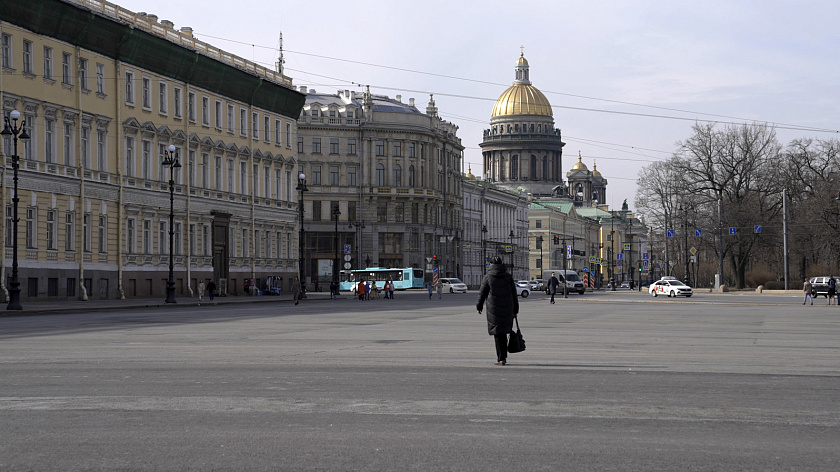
(104, 92)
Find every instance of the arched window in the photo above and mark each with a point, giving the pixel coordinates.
(380, 175)
(533, 167)
(397, 175)
(514, 168)
(545, 168)
(411, 176)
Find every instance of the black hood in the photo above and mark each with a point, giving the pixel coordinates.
(497, 270)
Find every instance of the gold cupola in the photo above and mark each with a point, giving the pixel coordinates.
(579, 165)
(522, 98)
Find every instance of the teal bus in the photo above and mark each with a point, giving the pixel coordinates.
(403, 279)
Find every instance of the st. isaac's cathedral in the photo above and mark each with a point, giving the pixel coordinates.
(523, 151)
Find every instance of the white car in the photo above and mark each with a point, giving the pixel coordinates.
(523, 288)
(672, 288)
(453, 285)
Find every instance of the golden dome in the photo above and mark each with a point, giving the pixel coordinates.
(469, 172)
(595, 172)
(522, 61)
(580, 165)
(521, 99)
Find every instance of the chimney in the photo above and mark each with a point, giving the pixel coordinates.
(411, 102)
(399, 98)
(168, 24)
(303, 89)
(186, 31)
(153, 18)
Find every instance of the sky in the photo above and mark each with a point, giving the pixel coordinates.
(627, 79)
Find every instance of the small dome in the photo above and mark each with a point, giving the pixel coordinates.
(580, 165)
(469, 172)
(522, 61)
(595, 172)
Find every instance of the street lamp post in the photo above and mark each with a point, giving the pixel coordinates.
(12, 129)
(511, 251)
(484, 247)
(564, 255)
(336, 213)
(358, 226)
(171, 160)
(685, 245)
(540, 244)
(612, 249)
(301, 269)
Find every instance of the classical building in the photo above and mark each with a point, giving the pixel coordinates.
(103, 97)
(561, 237)
(586, 188)
(491, 216)
(522, 149)
(395, 174)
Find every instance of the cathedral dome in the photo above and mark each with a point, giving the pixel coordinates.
(595, 172)
(522, 98)
(579, 165)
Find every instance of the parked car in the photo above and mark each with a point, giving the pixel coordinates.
(453, 285)
(625, 284)
(672, 288)
(537, 285)
(819, 285)
(523, 288)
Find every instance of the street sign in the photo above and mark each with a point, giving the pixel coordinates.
(598, 260)
(347, 257)
(698, 232)
(568, 252)
(670, 233)
(585, 269)
(757, 229)
(508, 248)
(435, 270)
(732, 230)
(693, 250)
(645, 264)
(619, 256)
(619, 262)
(428, 260)
(693, 259)
(346, 249)
(347, 265)
(592, 259)
(626, 246)
(645, 256)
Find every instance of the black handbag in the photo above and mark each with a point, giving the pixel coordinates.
(516, 343)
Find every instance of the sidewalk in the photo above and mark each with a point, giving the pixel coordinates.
(35, 307)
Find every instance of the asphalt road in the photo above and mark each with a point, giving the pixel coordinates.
(610, 381)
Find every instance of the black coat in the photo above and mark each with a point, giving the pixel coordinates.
(499, 291)
(553, 283)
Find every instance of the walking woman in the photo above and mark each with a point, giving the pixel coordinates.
(296, 293)
(499, 291)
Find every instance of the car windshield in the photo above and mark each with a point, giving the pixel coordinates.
(455, 281)
(572, 277)
(676, 283)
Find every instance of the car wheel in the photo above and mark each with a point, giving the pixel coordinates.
(451, 290)
(672, 294)
(581, 292)
(654, 293)
(524, 294)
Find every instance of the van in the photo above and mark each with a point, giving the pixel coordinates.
(568, 277)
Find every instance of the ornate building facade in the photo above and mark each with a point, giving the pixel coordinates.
(103, 98)
(395, 174)
(522, 148)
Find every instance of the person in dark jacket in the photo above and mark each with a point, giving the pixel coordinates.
(553, 283)
(499, 291)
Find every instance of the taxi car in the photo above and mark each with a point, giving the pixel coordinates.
(453, 285)
(672, 288)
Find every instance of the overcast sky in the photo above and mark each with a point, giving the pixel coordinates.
(626, 79)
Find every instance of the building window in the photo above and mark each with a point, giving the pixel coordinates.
(129, 88)
(382, 212)
(230, 174)
(31, 227)
(177, 236)
(147, 236)
(399, 212)
(193, 248)
(163, 99)
(51, 233)
(288, 135)
(333, 146)
(27, 58)
(100, 79)
(412, 149)
(85, 148)
(163, 247)
(49, 131)
(48, 64)
(69, 231)
(103, 234)
(539, 225)
(146, 84)
(351, 176)
(230, 120)
(415, 213)
(205, 111)
(147, 160)
(398, 149)
(411, 176)
(334, 175)
(130, 236)
(205, 240)
(397, 175)
(316, 210)
(86, 232)
(243, 122)
(380, 175)
(351, 146)
(66, 69)
(83, 75)
(316, 145)
(316, 175)
(129, 156)
(352, 213)
(243, 178)
(191, 106)
(7, 51)
(267, 128)
(101, 160)
(278, 132)
(255, 123)
(300, 145)
(176, 102)
(205, 170)
(9, 221)
(218, 114)
(218, 172)
(380, 148)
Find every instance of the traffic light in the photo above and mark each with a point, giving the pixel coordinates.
(434, 259)
(556, 239)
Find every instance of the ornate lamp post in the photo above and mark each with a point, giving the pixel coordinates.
(302, 269)
(171, 161)
(336, 213)
(484, 247)
(12, 129)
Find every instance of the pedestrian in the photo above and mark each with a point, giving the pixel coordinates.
(440, 290)
(806, 287)
(391, 289)
(334, 290)
(201, 288)
(297, 294)
(315, 282)
(832, 288)
(211, 289)
(429, 286)
(387, 289)
(367, 290)
(498, 290)
(360, 289)
(552, 286)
